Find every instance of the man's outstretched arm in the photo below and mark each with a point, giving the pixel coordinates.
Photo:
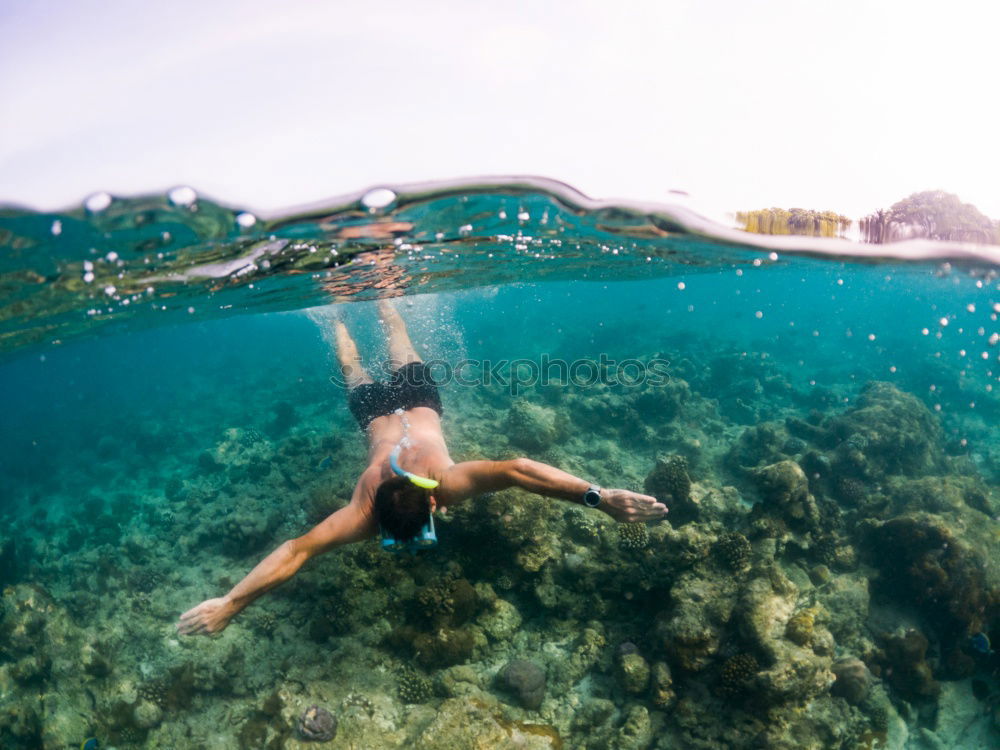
(349, 524)
(476, 477)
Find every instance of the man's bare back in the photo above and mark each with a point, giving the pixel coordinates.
(424, 451)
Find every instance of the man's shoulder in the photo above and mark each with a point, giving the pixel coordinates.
(368, 482)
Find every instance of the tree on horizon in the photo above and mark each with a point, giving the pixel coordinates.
(933, 214)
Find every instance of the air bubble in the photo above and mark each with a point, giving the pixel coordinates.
(109, 290)
(943, 322)
(97, 202)
(759, 314)
(56, 228)
(246, 219)
(378, 198)
(681, 285)
(182, 196)
(523, 216)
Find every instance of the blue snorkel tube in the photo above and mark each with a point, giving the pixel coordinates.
(426, 538)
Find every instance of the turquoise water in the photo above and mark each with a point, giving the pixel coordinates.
(167, 421)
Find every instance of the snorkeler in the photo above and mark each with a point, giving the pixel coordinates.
(409, 476)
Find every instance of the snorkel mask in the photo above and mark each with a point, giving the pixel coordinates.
(427, 536)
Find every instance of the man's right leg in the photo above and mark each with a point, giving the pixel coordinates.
(401, 351)
(350, 360)
(412, 379)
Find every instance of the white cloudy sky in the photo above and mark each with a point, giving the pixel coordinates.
(845, 105)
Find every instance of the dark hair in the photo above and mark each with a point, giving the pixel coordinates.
(401, 508)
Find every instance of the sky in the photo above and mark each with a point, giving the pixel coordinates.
(846, 105)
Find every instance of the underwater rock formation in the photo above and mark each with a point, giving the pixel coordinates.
(669, 482)
(461, 723)
(662, 693)
(887, 432)
(792, 672)
(692, 631)
(39, 642)
(446, 601)
(247, 531)
(633, 673)
(922, 560)
(317, 724)
(531, 426)
(759, 444)
(783, 486)
(853, 680)
(526, 680)
(907, 669)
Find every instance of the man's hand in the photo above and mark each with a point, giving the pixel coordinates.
(211, 616)
(623, 505)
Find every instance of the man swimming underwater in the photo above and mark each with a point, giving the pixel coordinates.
(409, 476)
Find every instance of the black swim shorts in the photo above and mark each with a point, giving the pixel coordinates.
(411, 385)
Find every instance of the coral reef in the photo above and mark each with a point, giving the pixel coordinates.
(734, 550)
(413, 686)
(736, 674)
(634, 536)
(816, 587)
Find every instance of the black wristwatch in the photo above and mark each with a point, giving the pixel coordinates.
(592, 497)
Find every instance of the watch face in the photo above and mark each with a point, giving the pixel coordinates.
(591, 498)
